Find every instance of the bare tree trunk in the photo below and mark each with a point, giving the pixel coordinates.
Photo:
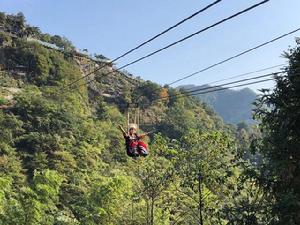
(152, 211)
(132, 222)
(147, 216)
(200, 206)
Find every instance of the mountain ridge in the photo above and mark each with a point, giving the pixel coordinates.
(234, 106)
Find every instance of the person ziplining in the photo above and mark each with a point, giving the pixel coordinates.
(135, 147)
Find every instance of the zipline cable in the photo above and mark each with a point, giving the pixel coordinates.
(187, 37)
(152, 38)
(190, 93)
(196, 33)
(221, 85)
(240, 75)
(186, 92)
(234, 56)
(224, 88)
(237, 81)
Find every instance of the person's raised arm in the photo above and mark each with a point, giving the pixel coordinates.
(144, 135)
(122, 129)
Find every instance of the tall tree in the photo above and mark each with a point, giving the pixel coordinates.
(279, 113)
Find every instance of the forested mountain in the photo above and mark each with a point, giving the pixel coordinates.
(63, 158)
(234, 106)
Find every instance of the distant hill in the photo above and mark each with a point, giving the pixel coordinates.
(233, 106)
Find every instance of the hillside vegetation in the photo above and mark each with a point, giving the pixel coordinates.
(63, 160)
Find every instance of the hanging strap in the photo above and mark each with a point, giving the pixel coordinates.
(128, 119)
(133, 115)
(138, 118)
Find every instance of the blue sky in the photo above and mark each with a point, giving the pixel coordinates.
(112, 27)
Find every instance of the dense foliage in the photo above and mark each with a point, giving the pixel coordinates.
(278, 111)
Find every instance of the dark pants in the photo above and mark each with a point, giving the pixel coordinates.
(137, 148)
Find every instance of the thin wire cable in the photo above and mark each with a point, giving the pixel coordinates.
(234, 82)
(237, 76)
(152, 38)
(221, 85)
(232, 77)
(196, 33)
(225, 88)
(235, 86)
(189, 36)
(170, 28)
(235, 56)
(245, 74)
(183, 95)
(238, 81)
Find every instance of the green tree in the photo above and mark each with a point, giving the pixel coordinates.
(278, 110)
(208, 176)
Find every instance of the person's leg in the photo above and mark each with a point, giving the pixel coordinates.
(134, 149)
(142, 149)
